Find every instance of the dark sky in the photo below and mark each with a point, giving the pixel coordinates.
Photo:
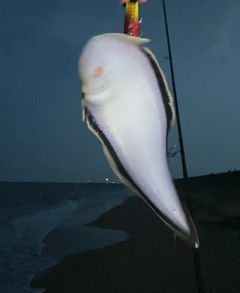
(42, 136)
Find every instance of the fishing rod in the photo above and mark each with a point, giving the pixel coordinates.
(131, 27)
(196, 256)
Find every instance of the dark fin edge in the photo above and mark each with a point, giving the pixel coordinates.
(163, 86)
(193, 238)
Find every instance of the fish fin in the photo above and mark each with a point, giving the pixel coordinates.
(193, 229)
(110, 154)
(92, 124)
(123, 175)
(126, 38)
(163, 85)
(117, 170)
(192, 238)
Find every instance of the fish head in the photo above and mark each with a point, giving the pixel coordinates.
(105, 64)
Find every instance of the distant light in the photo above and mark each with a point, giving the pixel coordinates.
(106, 179)
(88, 181)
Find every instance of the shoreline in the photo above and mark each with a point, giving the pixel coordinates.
(150, 261)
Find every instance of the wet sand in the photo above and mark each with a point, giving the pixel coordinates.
(150, 261)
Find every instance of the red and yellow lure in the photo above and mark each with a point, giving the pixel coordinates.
(131, 21)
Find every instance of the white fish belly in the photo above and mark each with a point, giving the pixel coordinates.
(134, 122)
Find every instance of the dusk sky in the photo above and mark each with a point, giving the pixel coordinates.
(42, 136)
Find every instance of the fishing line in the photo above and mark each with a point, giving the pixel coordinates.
(196, 255)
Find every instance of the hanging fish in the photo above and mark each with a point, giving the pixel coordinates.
(127, 104)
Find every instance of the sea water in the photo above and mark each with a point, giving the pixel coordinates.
(21, 237)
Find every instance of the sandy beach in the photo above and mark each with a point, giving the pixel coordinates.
(150, 260)
(92, 238)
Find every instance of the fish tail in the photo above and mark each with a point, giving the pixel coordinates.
(193, 238)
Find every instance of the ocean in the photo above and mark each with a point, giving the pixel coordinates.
(101, 238)
(29, 212)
